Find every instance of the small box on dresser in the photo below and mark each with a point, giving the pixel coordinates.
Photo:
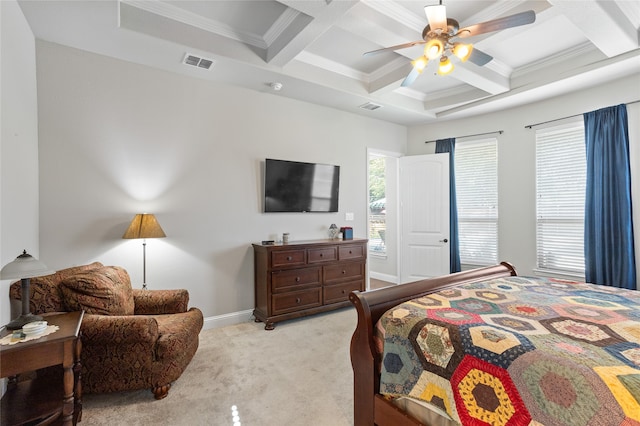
(306, 277)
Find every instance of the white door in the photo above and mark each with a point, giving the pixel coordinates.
(424, 212)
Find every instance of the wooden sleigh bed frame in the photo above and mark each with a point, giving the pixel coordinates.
(370, 407)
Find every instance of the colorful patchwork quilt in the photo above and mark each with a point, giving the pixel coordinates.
(518, 351)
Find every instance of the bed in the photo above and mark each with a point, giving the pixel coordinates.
(487, 346)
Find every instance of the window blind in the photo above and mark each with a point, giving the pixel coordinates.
(560, 189)
(476, 169)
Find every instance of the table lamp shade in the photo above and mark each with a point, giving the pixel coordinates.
(144, 226)
(24, 267)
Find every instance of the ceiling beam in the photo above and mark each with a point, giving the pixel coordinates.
(449, 98)
(603, 23)
(314, 19)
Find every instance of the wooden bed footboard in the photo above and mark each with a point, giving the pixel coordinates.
(369, 407)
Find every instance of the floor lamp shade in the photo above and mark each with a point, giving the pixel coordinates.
(24, 267)
(144, 226)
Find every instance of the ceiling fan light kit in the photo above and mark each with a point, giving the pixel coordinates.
(420, 63)
(434, 48)
(439, 32)
(445, 66)
(462, 51)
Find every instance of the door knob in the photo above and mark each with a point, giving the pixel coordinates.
(444, 241)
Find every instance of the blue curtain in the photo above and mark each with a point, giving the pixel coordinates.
(449, 145)
(608, 225)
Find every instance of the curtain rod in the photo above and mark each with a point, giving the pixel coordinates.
(468, 136)
(529, 126)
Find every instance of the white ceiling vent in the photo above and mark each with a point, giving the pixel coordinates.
(197, 61)
(370, 106)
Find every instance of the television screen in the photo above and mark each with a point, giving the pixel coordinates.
(292, 186)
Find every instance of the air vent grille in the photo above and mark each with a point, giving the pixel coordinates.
(197, 61)
(370, 106)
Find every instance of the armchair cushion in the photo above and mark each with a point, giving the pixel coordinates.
(105, 291)
(46, 295)
(157, 302)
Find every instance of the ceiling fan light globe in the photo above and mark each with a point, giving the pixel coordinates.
(433, 48)
(445, 66)
(462, 51)
(437, 17)
(420, 63)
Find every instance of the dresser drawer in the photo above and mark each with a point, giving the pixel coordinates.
(342, 271)
(296, 300)
(292, 278)
(324, 254)
(352, 252)
(288, 258)
(340, 292)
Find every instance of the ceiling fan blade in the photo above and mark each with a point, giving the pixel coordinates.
(396, 47)
(522, 18)
(479, 58)
(410, 78)
(436, 16)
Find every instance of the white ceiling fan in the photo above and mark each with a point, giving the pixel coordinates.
(440, 40)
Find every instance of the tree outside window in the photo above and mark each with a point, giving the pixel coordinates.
(377, 205)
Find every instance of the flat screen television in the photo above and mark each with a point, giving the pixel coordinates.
(293, 186)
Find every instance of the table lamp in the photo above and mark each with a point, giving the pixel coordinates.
(24, 267)
(144, 226)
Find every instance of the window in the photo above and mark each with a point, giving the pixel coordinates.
(476, 168)
(377, 205)
(561, 175)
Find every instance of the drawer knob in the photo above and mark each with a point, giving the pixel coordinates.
(321, 254)
(344, 272)
(297, 279)
(344, 291)
(289, 258)
(350, 252)
(298, 300)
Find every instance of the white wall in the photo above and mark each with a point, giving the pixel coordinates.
(18, 143)
(118, 139)
(516, 158)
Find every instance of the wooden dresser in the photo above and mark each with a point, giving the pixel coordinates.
(306, 277)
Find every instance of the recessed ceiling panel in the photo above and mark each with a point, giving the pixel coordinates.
(252, 17)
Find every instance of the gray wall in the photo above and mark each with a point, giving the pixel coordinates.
(18, 143)
(118, 139)
(516, 158)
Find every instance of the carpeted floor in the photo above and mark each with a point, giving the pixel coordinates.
(298, 374)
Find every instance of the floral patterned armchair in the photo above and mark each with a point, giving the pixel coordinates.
(131, 338)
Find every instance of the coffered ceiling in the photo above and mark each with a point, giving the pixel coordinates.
(314, 48)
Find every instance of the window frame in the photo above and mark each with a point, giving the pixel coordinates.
(569, 209)
(480, 217)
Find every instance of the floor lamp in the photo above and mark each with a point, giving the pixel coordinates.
(24, 267)
(144, 226)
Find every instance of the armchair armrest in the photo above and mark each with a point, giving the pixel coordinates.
(158, 302)
(120, 330)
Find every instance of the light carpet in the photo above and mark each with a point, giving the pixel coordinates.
(298, 374)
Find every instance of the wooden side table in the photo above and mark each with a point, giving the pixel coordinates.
(44, 398)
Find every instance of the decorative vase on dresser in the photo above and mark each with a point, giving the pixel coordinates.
(306, 277)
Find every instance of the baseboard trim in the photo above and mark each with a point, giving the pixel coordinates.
(383, 277)
(227, 319)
